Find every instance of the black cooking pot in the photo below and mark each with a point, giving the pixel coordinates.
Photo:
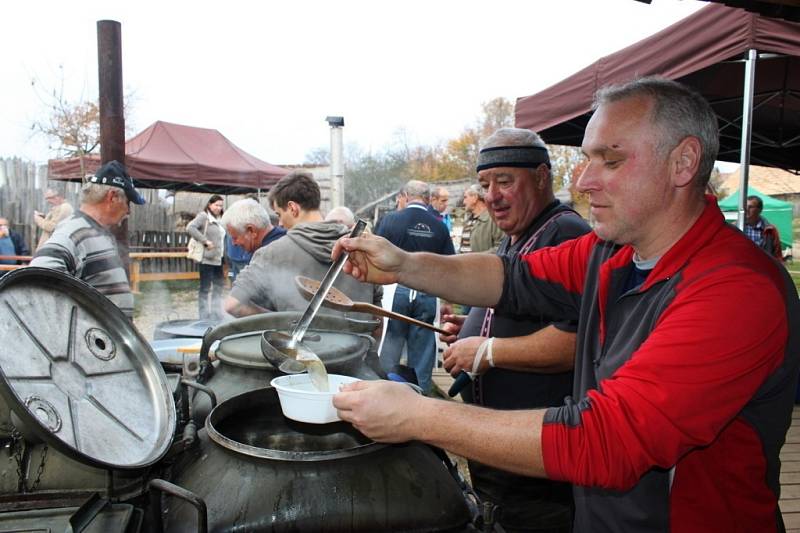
(258, 471)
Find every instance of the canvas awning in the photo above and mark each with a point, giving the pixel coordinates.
(705, 51)
(182, 158)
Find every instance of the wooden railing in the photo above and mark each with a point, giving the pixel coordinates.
(137, 276)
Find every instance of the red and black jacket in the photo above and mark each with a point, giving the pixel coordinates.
(684, 386)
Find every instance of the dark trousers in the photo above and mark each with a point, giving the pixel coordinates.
(211, 281)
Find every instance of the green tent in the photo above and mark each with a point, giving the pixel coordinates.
(777, 212)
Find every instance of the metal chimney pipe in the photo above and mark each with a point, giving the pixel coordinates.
(112, 117)
(337, 161)
(109, 69)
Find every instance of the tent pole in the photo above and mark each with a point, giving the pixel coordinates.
(747, 133)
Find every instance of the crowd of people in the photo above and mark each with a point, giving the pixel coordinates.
(606, 391)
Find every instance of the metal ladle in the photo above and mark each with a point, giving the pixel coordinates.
(286, 352)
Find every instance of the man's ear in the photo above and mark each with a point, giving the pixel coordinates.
(685, 160)
(542, 176)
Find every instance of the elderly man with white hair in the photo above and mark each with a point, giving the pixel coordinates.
(249, 226)
(267, 284)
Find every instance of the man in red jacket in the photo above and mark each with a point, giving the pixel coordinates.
(679, 410)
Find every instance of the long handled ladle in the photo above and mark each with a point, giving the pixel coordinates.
(287, 353)
(336, 299)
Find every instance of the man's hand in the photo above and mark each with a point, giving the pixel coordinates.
(384, 411)
(461, 356)
(372, 259)
(452, 324)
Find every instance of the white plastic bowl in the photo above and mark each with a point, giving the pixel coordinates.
(302, 402)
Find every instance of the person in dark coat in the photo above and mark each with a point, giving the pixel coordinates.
(414, 229)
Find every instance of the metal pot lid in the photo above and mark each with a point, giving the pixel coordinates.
(79, 375)
(184, 328)
(333, 347)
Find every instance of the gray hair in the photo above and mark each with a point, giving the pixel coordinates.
(476, 190)
(243, 212)
(678, 112)
(417, 189)
(513, 137)
(342, 215)
(93, 193)
(437, 192)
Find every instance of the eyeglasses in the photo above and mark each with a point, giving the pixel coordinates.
(49, 197)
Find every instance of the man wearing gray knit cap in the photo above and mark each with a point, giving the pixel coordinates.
(517, 188)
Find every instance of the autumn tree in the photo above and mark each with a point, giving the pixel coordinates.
(71, 126)
(461, 154)
(564, 160)
(370, 175)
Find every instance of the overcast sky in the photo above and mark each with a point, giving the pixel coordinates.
(267, 73)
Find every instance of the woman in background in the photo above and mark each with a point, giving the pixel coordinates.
(205, 228)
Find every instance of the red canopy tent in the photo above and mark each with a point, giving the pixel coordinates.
(182, 158)
(706, 51)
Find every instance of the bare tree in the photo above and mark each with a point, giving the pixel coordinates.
(318, 156)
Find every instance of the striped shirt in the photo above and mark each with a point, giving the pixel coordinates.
(83, 248)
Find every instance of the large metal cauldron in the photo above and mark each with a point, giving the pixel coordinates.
(343, 344)
(258, 471)
(75, 375)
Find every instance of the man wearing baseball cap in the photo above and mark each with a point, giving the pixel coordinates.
(82, 245)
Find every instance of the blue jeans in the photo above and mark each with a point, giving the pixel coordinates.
(420, 342)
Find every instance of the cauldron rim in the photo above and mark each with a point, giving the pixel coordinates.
(231, 405)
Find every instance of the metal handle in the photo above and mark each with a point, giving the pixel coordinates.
(324, 286)
(179, 492)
